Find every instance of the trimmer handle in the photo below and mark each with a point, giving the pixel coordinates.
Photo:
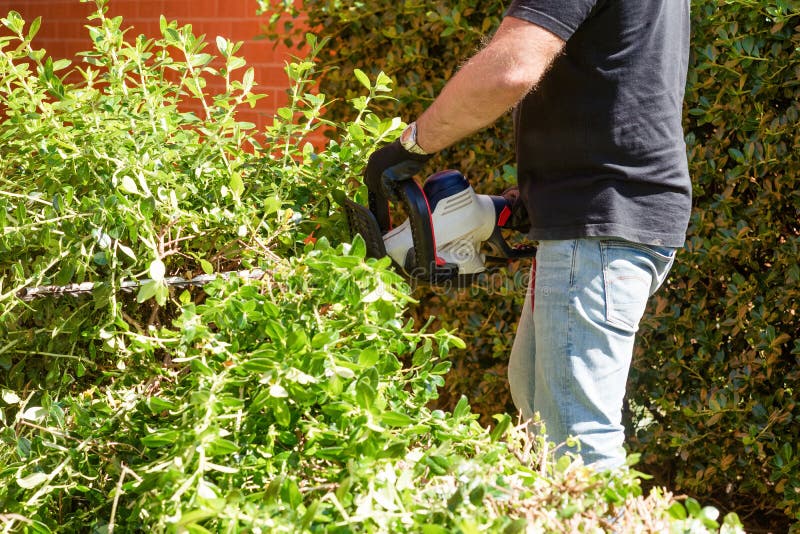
(380, 193)
(499, 249)
(424, 264)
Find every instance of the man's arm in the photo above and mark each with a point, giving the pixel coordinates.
(490, 83)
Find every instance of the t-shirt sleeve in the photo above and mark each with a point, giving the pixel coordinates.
(561, 17)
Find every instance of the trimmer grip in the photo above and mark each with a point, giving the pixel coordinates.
(380, 194)
(419, 217)
(499, 249)
(424, 263)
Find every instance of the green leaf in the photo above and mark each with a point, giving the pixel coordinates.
(503, 422)
(222, 45)
(677, 511)
(236, 184)
(191, 518)
(33, 29)
(248, 80)
(158, 405)
(457, 342)
(396, 419)
(462, 408)
(321, 339)
(368, 357)
(33, 480)
(147, 291)
(206, 266)
(296, 340)
(272, 205)
(383, 83)
(441, 368)
(127, 251)
(61, 64)
(737, 155)
(160, 438)
(362, 78)
(693, 507)
(282, 414)
(128, 185)
(157, 270)
(162, 292)
(221, 446)
(9, 397)
(358, 247)
(365, 394)
(200, 60)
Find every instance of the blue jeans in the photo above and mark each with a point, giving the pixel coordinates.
(574, 342)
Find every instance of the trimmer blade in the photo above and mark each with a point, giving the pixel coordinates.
(363, 222)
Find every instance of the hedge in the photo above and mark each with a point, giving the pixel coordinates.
(295, 402)
(712, 393)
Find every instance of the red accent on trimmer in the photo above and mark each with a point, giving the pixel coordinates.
(504, 215)
(532, 285)
(439, 261)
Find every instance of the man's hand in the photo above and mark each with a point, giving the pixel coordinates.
(400, 163)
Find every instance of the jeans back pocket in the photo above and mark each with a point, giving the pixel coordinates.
(632, 272)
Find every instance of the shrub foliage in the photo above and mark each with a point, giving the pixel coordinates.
(295, 402)
(718, 372)
(713, 391)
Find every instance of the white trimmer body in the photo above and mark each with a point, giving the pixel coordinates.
(461, 223)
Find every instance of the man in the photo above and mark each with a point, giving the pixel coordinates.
(598, 89)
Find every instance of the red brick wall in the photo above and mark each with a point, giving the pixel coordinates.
(63, 33)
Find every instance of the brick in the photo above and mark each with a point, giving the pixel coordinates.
(269, 76)
(63, 34)
(179, 9)
(149, 9)
(240, 10)
(246, 29)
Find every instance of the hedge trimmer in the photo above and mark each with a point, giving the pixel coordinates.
(451, 233)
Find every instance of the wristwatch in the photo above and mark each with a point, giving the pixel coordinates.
(409, 140)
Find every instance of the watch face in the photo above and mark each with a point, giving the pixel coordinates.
(406, 137)
(409, 139)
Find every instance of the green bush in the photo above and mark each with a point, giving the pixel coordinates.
(717, 377)
(295, 402)
(713, 390)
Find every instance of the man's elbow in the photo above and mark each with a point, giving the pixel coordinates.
(523, 52)
(520, 80)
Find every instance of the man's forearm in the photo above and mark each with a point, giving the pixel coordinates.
(490, 84)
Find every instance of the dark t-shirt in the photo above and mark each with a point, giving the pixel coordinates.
(600, 148)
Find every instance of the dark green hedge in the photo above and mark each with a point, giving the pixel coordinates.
(718, 365)
(712, 393)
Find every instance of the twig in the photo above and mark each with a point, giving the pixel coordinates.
(31, 293)
(116, 498)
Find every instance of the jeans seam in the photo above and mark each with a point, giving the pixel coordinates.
(606, 292)
(644, 248)
(569, 349)
(572, 265)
